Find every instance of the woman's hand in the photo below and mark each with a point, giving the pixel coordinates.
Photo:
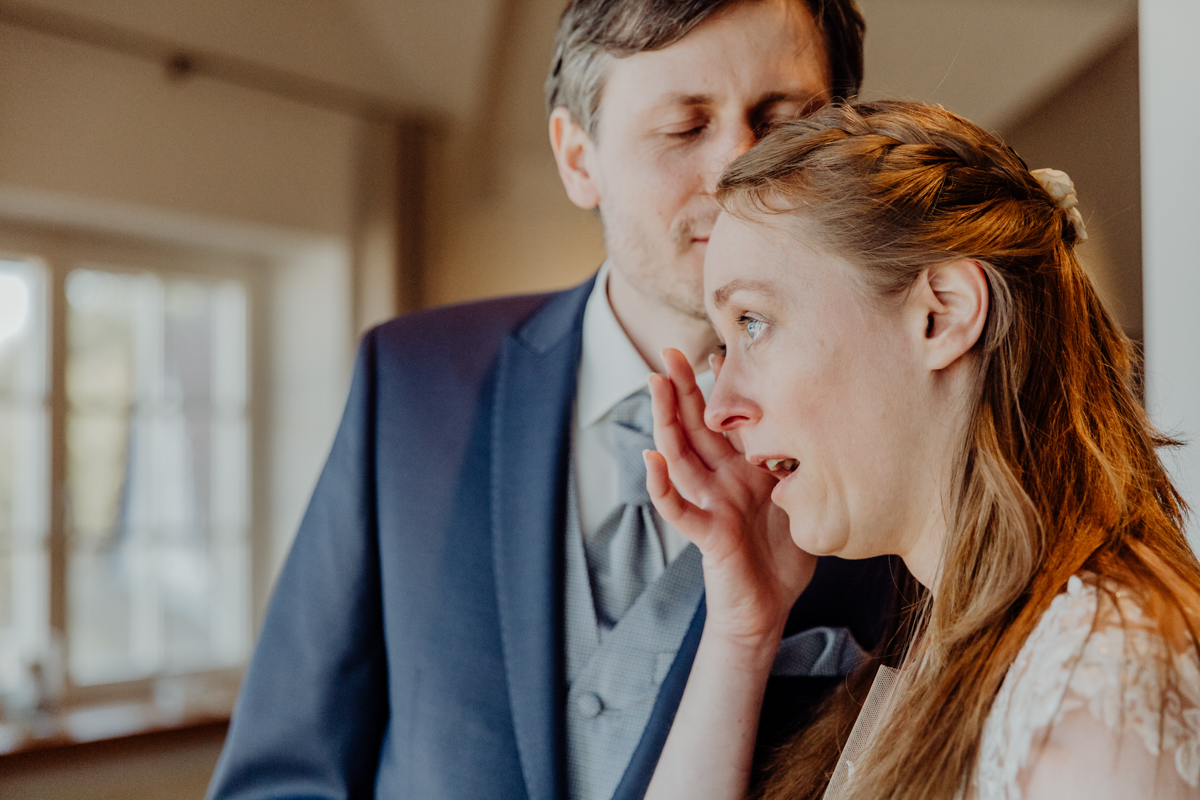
(701, 484)
(753, 573)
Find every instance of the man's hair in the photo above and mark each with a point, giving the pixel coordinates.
(590, 32)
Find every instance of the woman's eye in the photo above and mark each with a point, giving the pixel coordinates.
(754, 328)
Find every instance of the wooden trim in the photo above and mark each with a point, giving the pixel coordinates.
(44, 752)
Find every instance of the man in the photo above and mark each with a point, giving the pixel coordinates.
(480, 602)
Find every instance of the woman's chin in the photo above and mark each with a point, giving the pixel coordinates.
(816, 540)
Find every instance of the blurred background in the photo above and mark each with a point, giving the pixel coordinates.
(204, 204)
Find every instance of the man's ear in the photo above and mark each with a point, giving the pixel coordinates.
(952, 301)
(575, 154)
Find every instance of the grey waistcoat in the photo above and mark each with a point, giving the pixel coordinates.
(613, 675)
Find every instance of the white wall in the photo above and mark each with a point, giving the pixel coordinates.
(1170, 90)
(310, 345)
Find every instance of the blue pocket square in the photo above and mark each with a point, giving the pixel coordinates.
(818, 652)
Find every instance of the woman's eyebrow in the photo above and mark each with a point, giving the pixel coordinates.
(721, 294)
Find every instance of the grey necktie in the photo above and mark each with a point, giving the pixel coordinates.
(625, 555)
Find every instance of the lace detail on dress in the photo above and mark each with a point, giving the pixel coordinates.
(1091, 652)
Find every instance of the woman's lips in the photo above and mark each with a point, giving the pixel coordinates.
(778, 489)
(782, 468)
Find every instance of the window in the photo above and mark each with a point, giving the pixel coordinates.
(24, 569)
(124, 382)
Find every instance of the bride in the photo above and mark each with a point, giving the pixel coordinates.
(916, 364)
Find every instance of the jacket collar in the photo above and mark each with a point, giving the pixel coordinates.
(535, 391)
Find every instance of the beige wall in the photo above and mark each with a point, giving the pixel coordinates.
(81, 121)
(1090, 129)
(500, 220)
(525, 236)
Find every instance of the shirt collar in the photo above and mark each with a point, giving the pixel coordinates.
(610, 367)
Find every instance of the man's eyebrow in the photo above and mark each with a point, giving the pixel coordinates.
(768, 99)
(721, 294)
(684, 99)
(782, 97)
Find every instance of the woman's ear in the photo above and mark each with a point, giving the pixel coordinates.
(574, 154)
(952, 299)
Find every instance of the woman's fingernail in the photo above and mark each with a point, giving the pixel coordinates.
(711, 358)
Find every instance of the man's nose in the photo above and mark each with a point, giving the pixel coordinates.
(736, 139)
(728, 409)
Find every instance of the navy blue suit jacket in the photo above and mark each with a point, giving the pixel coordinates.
(413, 645)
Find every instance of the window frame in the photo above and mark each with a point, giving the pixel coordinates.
(165, 700)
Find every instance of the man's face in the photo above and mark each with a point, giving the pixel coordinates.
(671, 120)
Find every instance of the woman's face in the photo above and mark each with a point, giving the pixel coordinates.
(828, 379)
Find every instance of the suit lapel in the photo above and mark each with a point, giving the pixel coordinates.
(535, 391)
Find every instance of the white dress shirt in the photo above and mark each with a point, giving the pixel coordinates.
(610, 369)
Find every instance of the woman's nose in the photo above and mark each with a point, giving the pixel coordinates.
(729, 409)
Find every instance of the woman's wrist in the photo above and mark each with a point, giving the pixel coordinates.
(742, 652)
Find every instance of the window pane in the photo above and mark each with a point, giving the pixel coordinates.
(24, 575)
(156, 473)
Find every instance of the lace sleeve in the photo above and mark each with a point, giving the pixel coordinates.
(1096, 705)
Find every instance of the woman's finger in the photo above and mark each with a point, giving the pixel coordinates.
(690, 520)
(688, 471)
(710, 446)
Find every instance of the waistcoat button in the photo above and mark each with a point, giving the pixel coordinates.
(590, 704)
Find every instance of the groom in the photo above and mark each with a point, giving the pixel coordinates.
(480, 602)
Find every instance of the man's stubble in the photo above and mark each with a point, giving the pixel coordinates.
(669, 277)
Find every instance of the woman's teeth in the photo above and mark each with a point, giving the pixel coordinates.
(785, 464)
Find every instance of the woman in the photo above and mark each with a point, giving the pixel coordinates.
(915, 364)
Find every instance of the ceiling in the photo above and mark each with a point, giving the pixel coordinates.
(988, 59)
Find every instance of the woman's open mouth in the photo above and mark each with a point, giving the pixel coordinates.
(781, 467)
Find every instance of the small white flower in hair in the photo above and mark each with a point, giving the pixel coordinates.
(1059, 186)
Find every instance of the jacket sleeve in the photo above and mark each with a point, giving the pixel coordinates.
(313, 707)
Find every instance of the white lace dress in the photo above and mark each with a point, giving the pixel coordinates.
(1087, 712)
